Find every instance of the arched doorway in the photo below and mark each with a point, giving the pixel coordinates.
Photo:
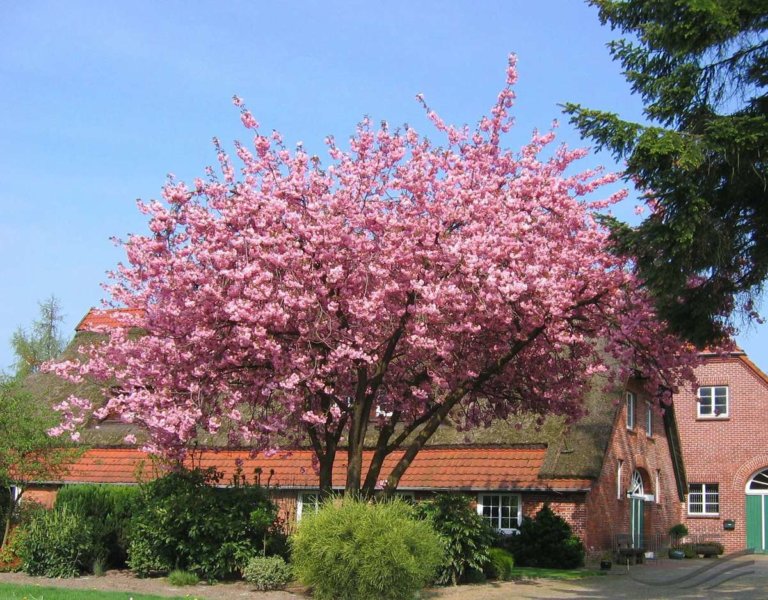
(757, 511)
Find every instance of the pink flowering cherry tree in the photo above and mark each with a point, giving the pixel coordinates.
(399, 285)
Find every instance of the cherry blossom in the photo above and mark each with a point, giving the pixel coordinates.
(374, 296)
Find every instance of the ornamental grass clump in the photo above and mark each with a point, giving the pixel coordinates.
(352, 549)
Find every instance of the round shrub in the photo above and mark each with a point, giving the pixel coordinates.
(268, 573)
(500, 565)
(466, 535)
(56, 543)
(352, 549)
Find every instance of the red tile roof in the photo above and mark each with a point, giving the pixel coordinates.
(101, 319)
(468, 468)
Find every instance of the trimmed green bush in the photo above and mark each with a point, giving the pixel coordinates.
(466, 535)
(689, 550)
(108, 508)
(56, 543)
(351, 549)
(547, 541)
(268, 573)
(710, 549)
(500, 565)
(184, 521)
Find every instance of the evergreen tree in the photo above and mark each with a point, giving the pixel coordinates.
(700, 68)
(43, 342)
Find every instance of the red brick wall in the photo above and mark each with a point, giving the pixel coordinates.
(571, 507)
(725, 451)
(42, 495)
(606, 513)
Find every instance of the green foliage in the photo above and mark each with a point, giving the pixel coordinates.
(10, 561)
(56, 543)
(44, 342)
(25, 445)
(689, 550)
(181, 578)
(466, 535)
(500, 564)
(676, 532)
(108, 508)
(10, 591)
(701, 69)
(547, 541)
(351, 549)
(710, 548)
(184, 521)
(268, 573)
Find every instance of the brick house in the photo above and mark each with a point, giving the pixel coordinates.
(616, 475)
(725, 448)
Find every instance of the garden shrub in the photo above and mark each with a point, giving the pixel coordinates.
(689, 550)
(547, 541)
(56, 543)
(351, 549)
(181, 578)
(268, 573)
(500, 564)
(710, 549)
(466, 535)
(183, 521)
(108, 508)
(10, 561)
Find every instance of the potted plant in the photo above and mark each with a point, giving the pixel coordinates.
(677, 532)
(605, 561)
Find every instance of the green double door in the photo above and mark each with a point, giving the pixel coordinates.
(757, 522)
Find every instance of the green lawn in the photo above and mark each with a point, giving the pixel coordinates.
(34, 592)
(536, 573)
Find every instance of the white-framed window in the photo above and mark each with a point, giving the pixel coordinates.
(619, 475)
(631, 406)
(649, 419)
(504, 512)
(308, 503)
(713, 402)
(703, 499)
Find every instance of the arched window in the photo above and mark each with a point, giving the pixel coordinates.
(759, 483)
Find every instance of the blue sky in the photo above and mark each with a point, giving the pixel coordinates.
(100, 100)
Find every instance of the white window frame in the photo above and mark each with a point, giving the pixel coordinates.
(649, 419)
(711, 397)
(619, 475)
(310, 498)
(658, 487)
(481, 497)
(631, 402)
(706, 489)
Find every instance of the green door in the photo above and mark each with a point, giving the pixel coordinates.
(637, 508)
(757, 524)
